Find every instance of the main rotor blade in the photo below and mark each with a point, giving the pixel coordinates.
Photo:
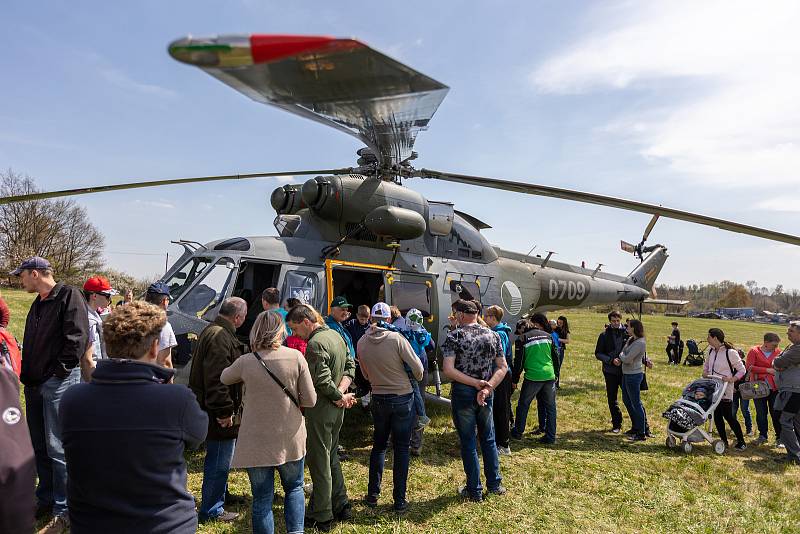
(156, 183)
(603, 200)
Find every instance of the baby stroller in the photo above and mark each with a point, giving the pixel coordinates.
(695, 355)
(688, 414)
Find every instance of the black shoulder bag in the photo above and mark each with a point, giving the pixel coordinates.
(276, 379)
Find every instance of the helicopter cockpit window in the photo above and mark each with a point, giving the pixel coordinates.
(183, 278)
(208, 294)
(287, 225)
(303, 286)
(407, 295)
(460, 289)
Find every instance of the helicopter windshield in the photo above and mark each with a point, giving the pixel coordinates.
(209, 292)
(187, 274)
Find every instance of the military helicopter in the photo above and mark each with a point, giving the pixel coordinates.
(358, 231)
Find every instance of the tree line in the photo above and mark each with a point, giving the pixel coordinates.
(728, 294)
(56, 229)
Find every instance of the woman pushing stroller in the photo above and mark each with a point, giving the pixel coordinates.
(723, 362)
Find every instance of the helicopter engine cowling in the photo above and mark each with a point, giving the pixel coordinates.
(395, 223)
(287, 200)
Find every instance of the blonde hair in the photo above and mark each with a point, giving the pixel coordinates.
(130, 330)
(396, 313)
(268, 331)
(494, 311)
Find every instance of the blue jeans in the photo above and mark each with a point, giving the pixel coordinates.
(41, 413)
(467, 416)
(765, 408)
(744, 404)
(632, 398)
(262, 483)
(545, 394)
(391, 415)
(215, 477)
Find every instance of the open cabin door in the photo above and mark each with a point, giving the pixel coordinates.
(360, 283)
(411, 290)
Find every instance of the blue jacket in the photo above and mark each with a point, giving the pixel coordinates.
(124, 436)
(333, 324)
(504, 331)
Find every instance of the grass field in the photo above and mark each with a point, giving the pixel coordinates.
(590, 480)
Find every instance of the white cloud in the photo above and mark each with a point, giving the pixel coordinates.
(159, 203)
(122, 80)
(739, 124)
(784, 204)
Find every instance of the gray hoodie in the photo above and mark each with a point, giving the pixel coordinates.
(381, 355)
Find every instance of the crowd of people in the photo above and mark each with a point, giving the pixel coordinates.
(105, 428)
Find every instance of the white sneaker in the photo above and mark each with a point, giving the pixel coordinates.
(779, 444)
(504, 451)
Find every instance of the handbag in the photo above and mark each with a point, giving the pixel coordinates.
(277, 380)
(753, 389)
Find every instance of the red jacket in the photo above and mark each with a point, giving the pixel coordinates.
(758, 364)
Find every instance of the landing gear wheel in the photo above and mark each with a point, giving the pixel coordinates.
(719, 446)
(670, 441)
(687, 447)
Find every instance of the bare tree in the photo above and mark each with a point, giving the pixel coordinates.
(58, 230)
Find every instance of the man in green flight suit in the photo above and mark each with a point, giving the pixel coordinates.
(332, 372)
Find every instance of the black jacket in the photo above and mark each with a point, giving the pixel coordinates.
(17, 467)
(56, 335)
(217, 348)
(609, 345)
(124, 435)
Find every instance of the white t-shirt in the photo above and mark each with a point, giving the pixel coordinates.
(167, 338)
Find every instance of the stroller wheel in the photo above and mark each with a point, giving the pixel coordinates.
(719, 446)
(687, 447)
(671, 442)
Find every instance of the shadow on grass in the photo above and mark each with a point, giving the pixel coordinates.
(419, 511)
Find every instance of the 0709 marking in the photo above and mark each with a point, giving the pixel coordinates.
(566, 290)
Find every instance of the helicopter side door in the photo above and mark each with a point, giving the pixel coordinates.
(406, 291)
(303, 282)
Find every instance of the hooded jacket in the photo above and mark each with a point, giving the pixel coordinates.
(333, 324)
(56, 335)
(381, 354)
(124, 436)
(504, 331)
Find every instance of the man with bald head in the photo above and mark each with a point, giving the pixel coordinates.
(217, 348)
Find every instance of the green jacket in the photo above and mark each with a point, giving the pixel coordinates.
(216, 348)
(328, 362)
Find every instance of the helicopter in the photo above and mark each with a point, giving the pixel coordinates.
(360, 231)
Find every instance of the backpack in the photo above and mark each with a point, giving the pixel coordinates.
(10, 354)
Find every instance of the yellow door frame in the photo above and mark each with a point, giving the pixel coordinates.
(330, 264)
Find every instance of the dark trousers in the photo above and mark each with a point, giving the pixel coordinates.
(417, 433)
(613, 386)
(391, 414)
(724, 412)
(501, 412)
(673, 354)
(766, 407)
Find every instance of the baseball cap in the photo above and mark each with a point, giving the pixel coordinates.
(34, 262)
(381, 310)
(414, 316)
(99, 284)
(159, 288)
(340, 302)
(465, 306)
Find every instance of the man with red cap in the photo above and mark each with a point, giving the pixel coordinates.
(97, 291)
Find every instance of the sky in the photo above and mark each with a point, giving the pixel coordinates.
(691, 105)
